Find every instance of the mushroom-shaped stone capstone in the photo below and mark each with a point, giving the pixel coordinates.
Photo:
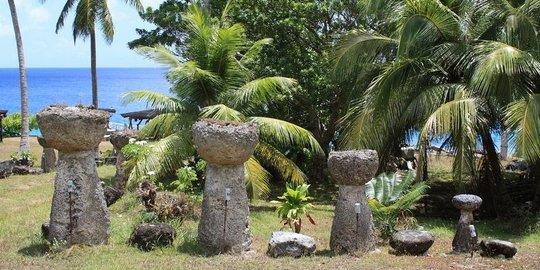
(465, 239)
(225, 143)
(468, 202)
(353, 168)
(72, 129)
(120, 139)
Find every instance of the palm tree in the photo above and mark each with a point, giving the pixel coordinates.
(24, 145)
(88, 14)
(447, 75)
(211, 79)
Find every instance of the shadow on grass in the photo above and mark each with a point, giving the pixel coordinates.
(324, 253)
(35, 250)
(191, 246)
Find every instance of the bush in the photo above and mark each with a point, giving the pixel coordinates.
(12, 124)
(294, 204)
(391, 200)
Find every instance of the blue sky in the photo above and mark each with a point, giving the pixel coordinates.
(44, 48)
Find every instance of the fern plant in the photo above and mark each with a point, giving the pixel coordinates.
(295, 203)
(391, 200)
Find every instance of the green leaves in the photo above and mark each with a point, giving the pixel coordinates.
(295, 203)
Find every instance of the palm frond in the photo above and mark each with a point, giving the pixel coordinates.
(222, 112)
(164, 156)
(159, 54)
(523, 118)
(257, 178)
(105, 22)
(155, 100)
(261, 91)
(253, 52)
(270, 156)
(359, 48)
(285, 134)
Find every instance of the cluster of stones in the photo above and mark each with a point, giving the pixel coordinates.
(353, 230)
(225, 146)
(79, 214)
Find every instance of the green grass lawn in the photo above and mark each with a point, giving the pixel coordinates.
(26, 202)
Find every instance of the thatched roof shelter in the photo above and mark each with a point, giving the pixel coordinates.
(139, 116)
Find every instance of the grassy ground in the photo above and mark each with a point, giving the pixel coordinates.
(26, 202)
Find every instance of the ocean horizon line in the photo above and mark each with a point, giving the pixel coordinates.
(85, 68)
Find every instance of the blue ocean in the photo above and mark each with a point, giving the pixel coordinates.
(72, 86)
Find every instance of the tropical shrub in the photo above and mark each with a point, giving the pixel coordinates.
(294, 204)
(391, 200)
(185, 178)
(12, 124)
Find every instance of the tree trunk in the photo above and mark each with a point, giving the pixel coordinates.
(93, 68)
(502, 202)
(24, 145)
(535, 175)
(504, 144)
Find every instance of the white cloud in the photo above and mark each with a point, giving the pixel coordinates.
(6, 29)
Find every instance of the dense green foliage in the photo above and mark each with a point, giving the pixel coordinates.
(391, 200)
(12, 124)
(211, 78)
(295, 204)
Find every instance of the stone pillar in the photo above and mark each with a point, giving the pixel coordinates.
(353, 230)
(224, 219)
(120, 139)
(464, 241)
(48, 158)
(78, 214)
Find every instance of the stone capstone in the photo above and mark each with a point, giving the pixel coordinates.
(468, 202)
(225, 143)
(496, 248)
(353, 168)
(411, 242)
(148, 236)
(6, 168)
(290, 244)
(121, 138)
(71, 129)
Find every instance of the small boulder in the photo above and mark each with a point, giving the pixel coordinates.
(6, 168)
(496, 248)
(290, 244)
(111, 195)
(45, 230)
(411, 242)
(148, 236)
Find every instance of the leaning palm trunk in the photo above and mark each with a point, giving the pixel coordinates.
(502, 202)
(24, 144)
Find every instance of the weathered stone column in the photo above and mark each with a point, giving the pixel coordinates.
(48, 158)
(224, 219)
(79, 214)
(353, 230)
(120, 139)
(463, 240)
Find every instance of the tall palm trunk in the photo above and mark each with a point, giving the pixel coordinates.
(24, 145)
(535, 174)
(93, 67)
(504, 144)
(502, 202)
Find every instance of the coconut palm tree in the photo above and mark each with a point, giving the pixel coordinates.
(445, 75)
(24, 145)
(88, 15)
(211, 79)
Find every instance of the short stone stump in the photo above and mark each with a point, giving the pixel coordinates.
(497, 248)
(148, 236)
(290, 244)
(411, 242)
